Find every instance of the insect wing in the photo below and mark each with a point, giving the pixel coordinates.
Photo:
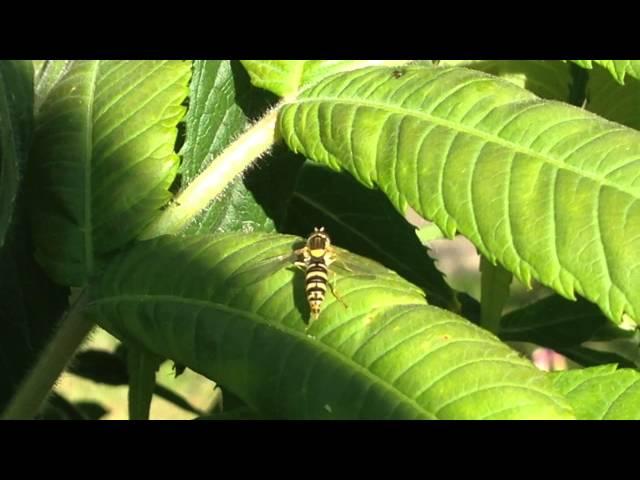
(350, 265)
(262, 269)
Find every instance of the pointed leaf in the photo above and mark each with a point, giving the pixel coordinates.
(221, 103)
(364, 221)
(617, 68)
(548, 190)
(284, 77)
(104, 159)
(601, 393)
(385, 355)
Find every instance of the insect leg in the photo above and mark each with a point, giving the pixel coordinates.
(333, 291)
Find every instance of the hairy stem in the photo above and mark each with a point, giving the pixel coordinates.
(255, 141)
(74, 328)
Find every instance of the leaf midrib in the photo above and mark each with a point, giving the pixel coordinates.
(315, 343)
(471, 131)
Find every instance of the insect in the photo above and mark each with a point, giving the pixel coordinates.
(314, 259)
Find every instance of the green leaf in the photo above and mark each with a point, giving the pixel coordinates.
(546, 189)
(16, 122)
(555, 322)
(47, 74)
(546, 78)
(601, 393)
(619, 103)
(617, 68)
(284, 77)
(563, 326)
(365, 222)
(385, 355)
(221, 103)
(30, 304)
(104, 159)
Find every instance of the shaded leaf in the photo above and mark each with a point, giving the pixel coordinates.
(16, 122)
(619, 103)
(564, 326)
(30, 304)
(385, 355)
(601, 393)
(555, 322)
(47, 74)
(365, 222)
(548, 190)
(618, 69)
(284, 77)
(142, 367)
(546, 78)
(110, 369)
(221, 103)
(104, 160)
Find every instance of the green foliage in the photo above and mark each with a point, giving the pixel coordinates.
(103, 160)
(524, 179)
(618, 69)
(601, 393)
(521, 157)
(30, 305)
(385, 355)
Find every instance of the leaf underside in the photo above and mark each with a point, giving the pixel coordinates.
(548, 190)
(385, 355)
(104, 159)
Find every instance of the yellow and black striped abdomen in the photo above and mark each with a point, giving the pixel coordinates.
(317, 276)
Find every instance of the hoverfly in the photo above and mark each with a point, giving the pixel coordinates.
(314, 258)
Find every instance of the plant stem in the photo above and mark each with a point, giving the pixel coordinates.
(74, 328)
(494, 285)
(255, 141)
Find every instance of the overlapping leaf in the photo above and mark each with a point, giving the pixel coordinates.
(365, 222)
(601, 393)
(618, 69)
(549, 79)
(16, 122)
(386, 354)
(284, 77)
(215, 118)
(104, 159)
(548, 190)
(47, 74)
(564, 326)
(30, 305)
(619, 103)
